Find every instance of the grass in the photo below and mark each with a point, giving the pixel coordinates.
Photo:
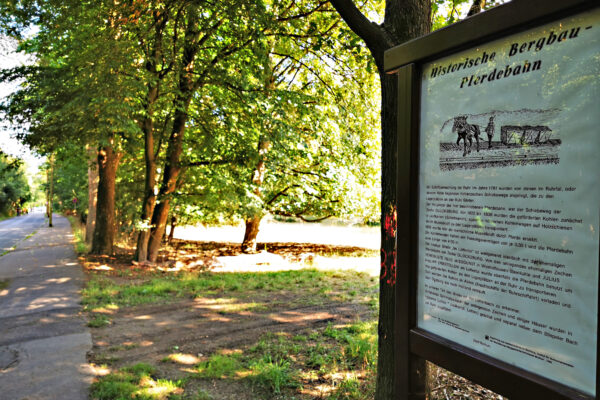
(81, 247)
(281, 364)
(5, 252)
(316, 287)
(220, 366)
(4, 283)
(98, 321)
(135, 382)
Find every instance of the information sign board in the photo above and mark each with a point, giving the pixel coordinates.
(509, 199)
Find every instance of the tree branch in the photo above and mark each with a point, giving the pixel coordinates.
(279, 194)
(304, 14)
(214, 162)
(372, 34)
(303, 218)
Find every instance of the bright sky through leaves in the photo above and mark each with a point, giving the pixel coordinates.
(9, 58)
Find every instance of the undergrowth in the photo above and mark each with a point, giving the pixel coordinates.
(316, 286)
(81, 247)
(135, 382)
(285, 365)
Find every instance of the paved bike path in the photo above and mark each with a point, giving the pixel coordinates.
(43, 336)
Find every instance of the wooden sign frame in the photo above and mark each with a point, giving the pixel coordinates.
(413, 345)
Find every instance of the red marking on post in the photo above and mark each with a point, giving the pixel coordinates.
(383, 264)
(390, 223)
(392, 279)
(390, 226)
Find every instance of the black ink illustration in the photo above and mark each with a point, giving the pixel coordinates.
(465, 132)
(525, 138)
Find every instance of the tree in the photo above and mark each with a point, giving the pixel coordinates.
(280, 136)
(308, 155)
(403, 20)
(14, 189)
(71, 96)
(211, 36)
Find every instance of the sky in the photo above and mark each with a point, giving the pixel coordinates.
(9, 58)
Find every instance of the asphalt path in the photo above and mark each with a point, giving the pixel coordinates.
(16, 229)
(43, 336)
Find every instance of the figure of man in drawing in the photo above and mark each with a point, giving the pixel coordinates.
(490, 131)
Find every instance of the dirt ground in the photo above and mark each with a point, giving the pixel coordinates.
(196, 328)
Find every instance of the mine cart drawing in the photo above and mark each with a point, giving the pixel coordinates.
(526, 138)
(525, 134)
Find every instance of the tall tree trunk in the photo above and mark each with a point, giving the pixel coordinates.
(404, 20)
(92, 194)
(104, 233)
(187, 87)
(149, 202)
(169, 184)
(141, 252)
(258, 176)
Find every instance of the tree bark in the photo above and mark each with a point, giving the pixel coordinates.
(187, 86)
(104, 233)
(169, 184)
(404, 20)
(141, 252)
(250, 234)
(50, 190)
(149, 202)
(258, 176)
(476, 7)
(172, 229)
(92, 195)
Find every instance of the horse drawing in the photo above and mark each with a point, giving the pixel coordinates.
(465, 132)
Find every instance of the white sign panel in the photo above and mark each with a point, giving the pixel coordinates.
(509, 199)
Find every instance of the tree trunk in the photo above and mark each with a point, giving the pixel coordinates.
(258, 176)
(169, 184)
(172, 229)
(404, 20)
(407, 20)
(187, 87)
(50, 190)
(141, 252)
(149, 202)
(92, 195)
(104, 234)
(250, 234)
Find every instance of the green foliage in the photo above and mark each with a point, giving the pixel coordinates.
(446, 12)
(299, 131)
(286, 74)
(14, 187)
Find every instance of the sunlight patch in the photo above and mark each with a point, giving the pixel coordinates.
(186, 359)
